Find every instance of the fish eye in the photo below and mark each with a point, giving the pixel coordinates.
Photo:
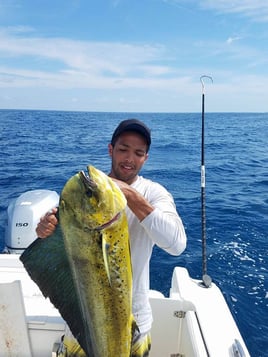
(89, 193)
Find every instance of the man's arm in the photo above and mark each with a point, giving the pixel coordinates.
(158, 217)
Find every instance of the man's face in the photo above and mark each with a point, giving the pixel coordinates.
(128, 156)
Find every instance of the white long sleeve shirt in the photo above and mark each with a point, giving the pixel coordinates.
(162, 227)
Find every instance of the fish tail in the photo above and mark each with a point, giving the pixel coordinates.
(141, 343)
(69, 346)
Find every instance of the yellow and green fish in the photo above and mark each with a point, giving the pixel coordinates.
(85, 266)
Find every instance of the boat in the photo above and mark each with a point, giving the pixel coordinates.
(194, 320)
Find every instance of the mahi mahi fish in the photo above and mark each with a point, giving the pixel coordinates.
(85, 266)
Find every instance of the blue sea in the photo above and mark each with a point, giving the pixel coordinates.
(42, 149)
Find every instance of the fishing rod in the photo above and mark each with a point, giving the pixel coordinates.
(205, 277)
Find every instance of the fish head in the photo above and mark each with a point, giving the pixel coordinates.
(92, 197)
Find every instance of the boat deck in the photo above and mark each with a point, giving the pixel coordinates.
(193, 321)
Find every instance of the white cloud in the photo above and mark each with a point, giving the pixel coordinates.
(257, 10)
(64, 63)
(233, 39)
(116, 59)
(41, 71)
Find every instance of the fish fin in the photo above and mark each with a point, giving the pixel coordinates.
(47, 263)
(105, 252)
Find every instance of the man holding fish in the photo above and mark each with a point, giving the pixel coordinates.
(151, 215)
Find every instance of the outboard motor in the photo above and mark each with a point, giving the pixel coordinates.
(24, 214)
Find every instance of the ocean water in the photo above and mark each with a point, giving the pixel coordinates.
(42, 149)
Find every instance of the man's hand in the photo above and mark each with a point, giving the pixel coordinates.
(47, 224)
(135, 201)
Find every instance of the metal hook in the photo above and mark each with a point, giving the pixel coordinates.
(202, 82)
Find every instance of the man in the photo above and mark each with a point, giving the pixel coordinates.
(152, 218)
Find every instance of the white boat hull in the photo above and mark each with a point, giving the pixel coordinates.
(194, 321)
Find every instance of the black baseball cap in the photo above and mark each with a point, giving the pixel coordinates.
(132, 125)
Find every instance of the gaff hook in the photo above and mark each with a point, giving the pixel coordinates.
(202, 82)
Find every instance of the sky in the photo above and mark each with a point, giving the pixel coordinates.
(134, 55)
